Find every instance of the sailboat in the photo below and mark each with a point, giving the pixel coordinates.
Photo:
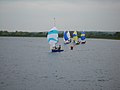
(75, 38)
(66, 37)
(53, 40)
(83, 41)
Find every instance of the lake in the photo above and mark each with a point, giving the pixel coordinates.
(27, 64)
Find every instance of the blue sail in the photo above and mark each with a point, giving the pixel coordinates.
(65, 36)
(82, 35)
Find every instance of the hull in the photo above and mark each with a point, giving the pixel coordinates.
(83, 42)
(67, 42)
(78, 43)
(57, 50)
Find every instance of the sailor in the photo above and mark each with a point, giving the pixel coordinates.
(70, 40)
(59, 48)
(55, 47)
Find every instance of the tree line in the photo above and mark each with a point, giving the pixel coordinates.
(23, 34)
(89, 34)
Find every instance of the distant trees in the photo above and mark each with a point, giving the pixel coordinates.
(23, 34)
(96, 34)
(90, 34)
(107, 35)
(117, 35)
(4, 33)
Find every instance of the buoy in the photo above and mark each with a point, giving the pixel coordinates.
(71, 47)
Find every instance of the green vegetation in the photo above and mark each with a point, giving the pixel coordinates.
(104, 35)
(23, 34)
(90, 34)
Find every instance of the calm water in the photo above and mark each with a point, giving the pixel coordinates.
(27, 64)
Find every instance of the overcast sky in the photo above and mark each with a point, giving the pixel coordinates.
(37, 15)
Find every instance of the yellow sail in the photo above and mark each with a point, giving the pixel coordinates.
(75, 37)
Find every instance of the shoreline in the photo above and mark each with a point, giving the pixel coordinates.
(61, 37)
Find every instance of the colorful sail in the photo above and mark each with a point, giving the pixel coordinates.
(68, 35)
(65, 36)
(52, 36)
(75, 37)
(83, 35)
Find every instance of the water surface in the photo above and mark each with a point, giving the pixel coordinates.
(27, 64)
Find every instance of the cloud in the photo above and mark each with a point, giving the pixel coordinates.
(84, 5)
(36, 14)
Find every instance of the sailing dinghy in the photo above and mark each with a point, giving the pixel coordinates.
(75, 38)
(53, 40)
(83, 41)
(66, 37)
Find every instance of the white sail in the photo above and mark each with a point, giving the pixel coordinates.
(52, 36)
(68, 35)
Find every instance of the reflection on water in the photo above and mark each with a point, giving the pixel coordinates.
(27, 64)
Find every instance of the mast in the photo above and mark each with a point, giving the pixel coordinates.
(54, 22)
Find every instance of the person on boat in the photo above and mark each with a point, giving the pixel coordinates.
(70, 40)
(54, 48)
(59, 48)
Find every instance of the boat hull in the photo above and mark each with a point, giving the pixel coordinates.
(83, 42)
(57, 50)
(67, 42)
(78, 43)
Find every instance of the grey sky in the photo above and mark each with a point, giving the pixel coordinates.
(37, 15)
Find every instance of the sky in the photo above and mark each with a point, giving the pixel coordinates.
(38, 15)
